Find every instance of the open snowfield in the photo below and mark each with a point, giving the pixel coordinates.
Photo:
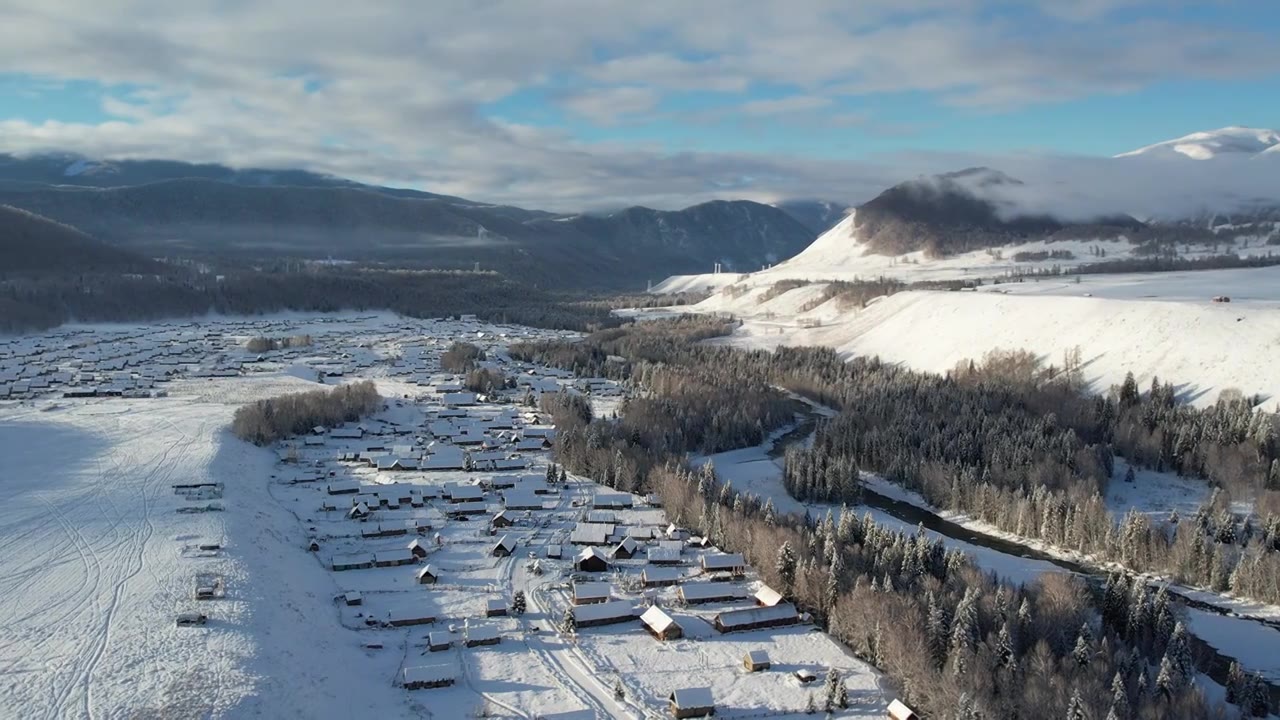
(1151, 325)
(102, 552)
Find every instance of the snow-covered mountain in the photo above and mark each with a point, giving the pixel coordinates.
(1208, 145)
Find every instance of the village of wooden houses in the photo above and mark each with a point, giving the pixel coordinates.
(431, 560)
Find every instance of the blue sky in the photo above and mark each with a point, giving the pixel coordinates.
(576, 102)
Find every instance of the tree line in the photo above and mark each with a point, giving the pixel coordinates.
(266, 421)
(957, 642)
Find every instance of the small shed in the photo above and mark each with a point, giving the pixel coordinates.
(495, 607)
(591, 560)
(555, 552)
(504, 547)
(899, 711)
(692, 703)
(418, 548)
(430, 676)
(427, 576)
(661, 625)
(756, 660)
(502, 520)
(352, 599)
(439, 640)
(805, 676)
(626, 549)
(313, 545)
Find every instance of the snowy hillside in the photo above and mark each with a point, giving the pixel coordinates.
(1160, 324)
(1214, 143)
(839, 254)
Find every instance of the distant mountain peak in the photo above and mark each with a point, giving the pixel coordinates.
(1233, 140)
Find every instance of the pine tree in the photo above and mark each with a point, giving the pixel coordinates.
(1129, 475)
(786, 567)
(518, 603)
(1254, 698)
(832, 689)
(1119, 697)
(964, 627)
(1235, 682)
(842, 697)
(568, 624)
(965, 709)
(1167, 680)
(564, 476)
(936, 634)
(1083, 652)
(1075, 708)
(619, 692)
(1128, 391)
(1005, 653)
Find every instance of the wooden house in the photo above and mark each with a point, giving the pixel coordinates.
(495, 607)
(418, 548)
(403, 617)
(661, 576)
(732, 563)
(606, 613)
(661, 625)
(703, 592)
(426, 576)
(439, 640)
(756, 660)
(352, 598)
(313, 545)
(756, 618)
(626, 549)
(476, 635)
(504, 547)
(589, 593)
(394, 558)
(591, 560)
(430, 676)
(691, 703)
(355, 561)
(502, 520)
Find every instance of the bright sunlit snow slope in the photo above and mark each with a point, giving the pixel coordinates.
(1213, 143)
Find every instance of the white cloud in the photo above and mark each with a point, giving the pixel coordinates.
(396, 91)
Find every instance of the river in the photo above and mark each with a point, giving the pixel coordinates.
(1209, 660)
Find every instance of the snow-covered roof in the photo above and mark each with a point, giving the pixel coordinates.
(507, 543)
(751, 616)
(657, 619)
(758, 657)
(723, 561)
(425, 571)
(353, 559)
(767, 596)
(428, 674)
(692, 698)
(663, 574)
(591, 590)
(397, 555)
(481, 632)
(710, 591)
(603, 611)
(661, 554)
(588, 553)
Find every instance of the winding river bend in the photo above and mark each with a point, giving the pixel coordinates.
(1209, 659)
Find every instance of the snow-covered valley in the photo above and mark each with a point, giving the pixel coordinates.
(124, 508)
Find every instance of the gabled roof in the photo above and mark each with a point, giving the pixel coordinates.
(757, 657)
(426, 570)
(428, 674)
(767, 596)
(585, 590)
(657, 619)
(591, 552)
(506, 542)
(723, 561)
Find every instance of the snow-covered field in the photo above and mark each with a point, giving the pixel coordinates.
(101, 552)
(1153, 325)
